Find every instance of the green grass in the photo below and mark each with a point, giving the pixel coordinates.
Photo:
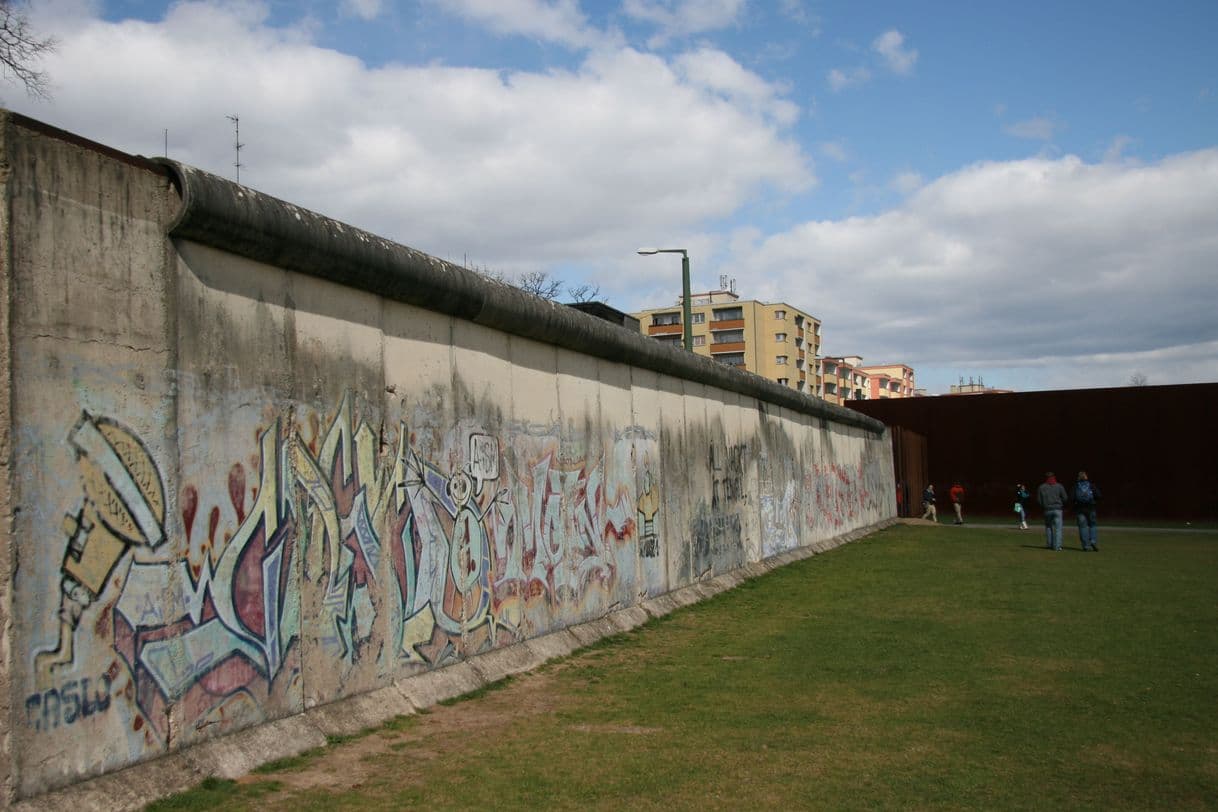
(940, 667)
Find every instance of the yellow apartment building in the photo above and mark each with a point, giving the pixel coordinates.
(776, 341)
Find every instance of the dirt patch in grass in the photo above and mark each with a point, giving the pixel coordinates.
(439, 732)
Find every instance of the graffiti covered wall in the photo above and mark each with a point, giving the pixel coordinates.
(240, 489)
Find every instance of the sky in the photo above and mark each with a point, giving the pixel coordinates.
(1024, 194)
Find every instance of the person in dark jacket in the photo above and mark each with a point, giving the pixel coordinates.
(928, 504)
(1052, 498)
(1086, 494)
(1021, 505)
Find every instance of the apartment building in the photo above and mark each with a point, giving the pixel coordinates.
(774, 340)
(890, 381)
(843, 379)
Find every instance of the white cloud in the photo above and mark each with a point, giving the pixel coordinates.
(1117, 147)
(1037, 128)
(719, 73)
(890, 46)
(680, 18)
(559, 21)
(842, 78)
(364, 9)
(834, 150)
(511, 168)
(907, 182)
(1095, 269)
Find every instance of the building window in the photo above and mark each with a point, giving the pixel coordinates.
(781, 360)
(830, 389)
(801, 386)
(699, 341)
(697, 318)
(666, 318)
(780, 336)
(784, 381)
(780, 314)
(729, 314)
(830, 369)
(735, 359)
(728, 336)
(674, 340)
(799, 321)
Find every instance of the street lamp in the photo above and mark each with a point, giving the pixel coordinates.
(686, 327)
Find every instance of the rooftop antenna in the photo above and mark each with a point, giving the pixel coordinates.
(237, 145)
(166, 142)
(722, 281)
(732, 288)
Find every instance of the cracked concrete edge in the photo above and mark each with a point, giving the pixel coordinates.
(593, 630)
(501, 663)
(239, 753)
(659, 606)
(228, 756)
(433, 687)
(629, 618)
(552, 646)
(358, 713)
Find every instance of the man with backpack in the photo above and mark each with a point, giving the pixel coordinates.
(1086, 494)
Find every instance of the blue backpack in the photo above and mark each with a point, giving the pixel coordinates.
(1084, 494)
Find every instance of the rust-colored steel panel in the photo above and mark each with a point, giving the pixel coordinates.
(1151, 449)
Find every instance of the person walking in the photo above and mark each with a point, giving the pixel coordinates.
(1086, 494)
(956, 492)
(1051, 497)
(928, 504)
(1021, 505)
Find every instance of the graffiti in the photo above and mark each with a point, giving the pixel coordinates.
(455, 553)
(71, 701)
(123, 506)
(648, 507)
(364, 554)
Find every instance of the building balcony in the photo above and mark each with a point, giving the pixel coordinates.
(663, 329)
(727, 346)
(727, 324)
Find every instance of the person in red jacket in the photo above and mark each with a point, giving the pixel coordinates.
(957, 495)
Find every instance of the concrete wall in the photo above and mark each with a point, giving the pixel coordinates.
(256, 461)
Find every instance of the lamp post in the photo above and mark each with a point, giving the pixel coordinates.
(686, 328)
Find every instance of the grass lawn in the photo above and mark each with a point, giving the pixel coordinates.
(925, 667)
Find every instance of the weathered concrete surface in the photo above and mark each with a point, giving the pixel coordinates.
(258, 464)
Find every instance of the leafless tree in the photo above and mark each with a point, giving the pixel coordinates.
(585, 293)
(540, 283)
(21, 49)
(1138, 379)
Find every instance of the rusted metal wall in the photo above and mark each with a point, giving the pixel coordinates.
(910, 469)
(1152, 449)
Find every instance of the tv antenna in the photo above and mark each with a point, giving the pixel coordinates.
(237, 145)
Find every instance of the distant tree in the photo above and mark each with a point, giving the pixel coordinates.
(540, 283)
(585, 293)
(21, 49)
(1138, 379)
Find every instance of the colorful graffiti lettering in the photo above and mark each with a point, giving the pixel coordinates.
(455, 555)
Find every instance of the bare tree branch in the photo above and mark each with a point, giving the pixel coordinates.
(540, 284)
(21, 49)
(1138, 379)
(585, 293)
